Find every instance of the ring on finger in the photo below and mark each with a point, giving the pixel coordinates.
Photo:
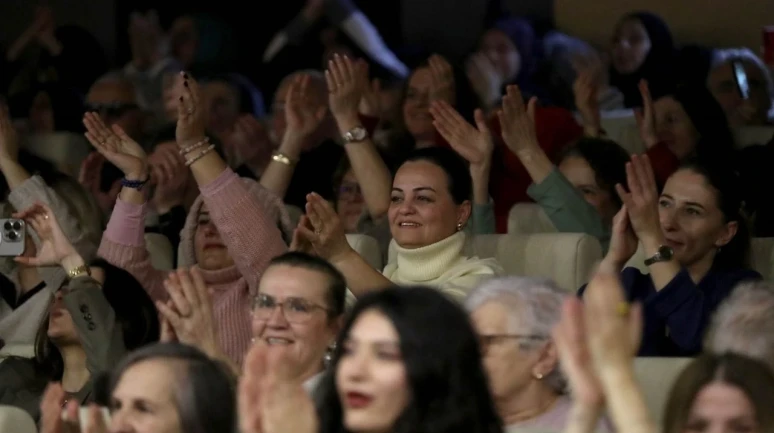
(622, 309)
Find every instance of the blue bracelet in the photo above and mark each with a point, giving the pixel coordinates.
(134, 184)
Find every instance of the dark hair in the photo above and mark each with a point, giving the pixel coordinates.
(67, 105)
(448, 385)
(455, 167)
(204, 395)
(250, 97)
(465, 98)
(716, 141)
(606, 158)
(337, 285)
(135, 313)
(727, 185)
(752, 377)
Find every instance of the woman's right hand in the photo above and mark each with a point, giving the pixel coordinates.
(475, 144)
(117, 147)
(518, 122)
(646, 118)
(623, 242)
(301, 116)
(54, 247)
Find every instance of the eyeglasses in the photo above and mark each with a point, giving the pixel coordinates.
(349, 190)
(486, 341)
(112, 109)
(295, 310)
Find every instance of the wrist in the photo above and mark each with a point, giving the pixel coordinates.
(72, 261)
(652, 242)
(137, 175)
(348, 122)
(342, 257)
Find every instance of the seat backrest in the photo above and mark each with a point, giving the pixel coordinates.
(655, 377)
(528, 218)
(368, 248)
(566, 258)
(752, 135)
(16, 420)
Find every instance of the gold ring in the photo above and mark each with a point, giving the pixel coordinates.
(622, 309)
(45, 217)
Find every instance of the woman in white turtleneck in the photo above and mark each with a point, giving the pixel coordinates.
(429, 207)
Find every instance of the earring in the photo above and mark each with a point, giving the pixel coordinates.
(459, 227)
(328, 357)
(538, 376)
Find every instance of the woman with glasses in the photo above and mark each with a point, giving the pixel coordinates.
(300, 307)
(514, 317)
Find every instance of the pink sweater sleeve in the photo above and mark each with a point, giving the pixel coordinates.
(250, 236)
(123, 245)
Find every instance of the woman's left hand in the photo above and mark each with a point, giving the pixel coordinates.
(475, 144)
(54, 245)
(191, 318)
(442, 80)
(642, 198)
(191, 113)
(327, 235)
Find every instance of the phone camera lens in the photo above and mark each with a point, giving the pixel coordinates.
(8, 225)
(17, 225)
(12, 236)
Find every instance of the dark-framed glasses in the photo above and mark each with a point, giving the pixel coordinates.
(295, 310)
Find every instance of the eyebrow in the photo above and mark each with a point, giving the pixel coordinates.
(420, 189)
(378, 343)
(688, 203)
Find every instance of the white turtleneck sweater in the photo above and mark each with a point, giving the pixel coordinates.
(441, 265)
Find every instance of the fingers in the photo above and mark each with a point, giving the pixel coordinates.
(167, 333)
(177, 294)
(647, 100)
(481, 123)
(625, 197)
(531, 107)
(189, 290)
(323, 208)
(96, 421)
(51, 409)
(169, 314)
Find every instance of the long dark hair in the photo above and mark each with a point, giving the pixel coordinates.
(135, 313)
(727, 185)
(204, 395)
(448, 386)
(606, 158)
(751, 377)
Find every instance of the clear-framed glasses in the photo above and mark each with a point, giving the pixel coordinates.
(295, 310)
(488, 340)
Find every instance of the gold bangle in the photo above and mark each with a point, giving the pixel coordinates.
(283, 159)
(78, 272)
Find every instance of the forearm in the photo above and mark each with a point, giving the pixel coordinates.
(369, 168)
(661, 272)
(279, 173)
(207, 168)
(480, 177)
(625, 401)
(582, 418)
(536, 162)
(15, 174)
(360, 276)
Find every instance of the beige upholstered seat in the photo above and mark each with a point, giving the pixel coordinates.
(368, 248)
(528, 218)
(566, 258)
(63, 149)
(655, 377)
(16, 420)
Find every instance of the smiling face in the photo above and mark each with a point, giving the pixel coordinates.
(674, 127)
(211, 252)
(631, 45)
(143, 400)
(580, 174)
(302, 322)
(691, 220)
(371, 377)
(721, 408)
(416, 113)
(422, 210)
(721, 81)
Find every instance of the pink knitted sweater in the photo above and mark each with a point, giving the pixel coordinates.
(247, 217)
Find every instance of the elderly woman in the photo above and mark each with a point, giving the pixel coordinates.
(514, 317)
(430, 205)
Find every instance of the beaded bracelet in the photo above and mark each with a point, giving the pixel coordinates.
(201, 154)
(195, 146)
(135, 184)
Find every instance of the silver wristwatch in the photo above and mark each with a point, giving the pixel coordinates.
(355, 135)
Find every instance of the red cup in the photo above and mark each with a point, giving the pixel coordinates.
(768, 45)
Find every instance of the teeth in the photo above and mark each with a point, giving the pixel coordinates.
(276, 341)
(409, 225)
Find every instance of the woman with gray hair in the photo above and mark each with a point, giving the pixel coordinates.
(514, 317)
(753, 109)
(744, 323)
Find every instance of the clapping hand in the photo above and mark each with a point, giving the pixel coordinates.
(191, 114)
(641, 201)
(54, 245)
(475, 144)
(442, 80)
(345, 87)
(646, 117)
(53, 420)
(302, 114)
(518, 121)
(117, 147)
(585, 90)
(325, 232)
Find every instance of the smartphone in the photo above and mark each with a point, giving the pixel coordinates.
(14, 232)
(740, 77)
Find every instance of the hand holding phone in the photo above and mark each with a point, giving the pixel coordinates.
(740, 78)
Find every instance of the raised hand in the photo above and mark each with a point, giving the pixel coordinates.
(570, 338)
(9, 139)
(483, 76)
(299, 242)
(518, 122)
(301, 114)
(326, 234)
(191, 113)
(117, 147)
(249, 142)
(370, 103)
(475, 144)
(192, 317)
(54, 245)
(646, 117)
(641, 200)
(345, 87)
(442, 80)
(623, 242)
(586, 90)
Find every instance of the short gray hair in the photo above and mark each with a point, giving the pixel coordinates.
(744, 323)
(724, 55)
(533, 303)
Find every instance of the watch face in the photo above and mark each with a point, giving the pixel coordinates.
(666, 252)
(359, 134)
